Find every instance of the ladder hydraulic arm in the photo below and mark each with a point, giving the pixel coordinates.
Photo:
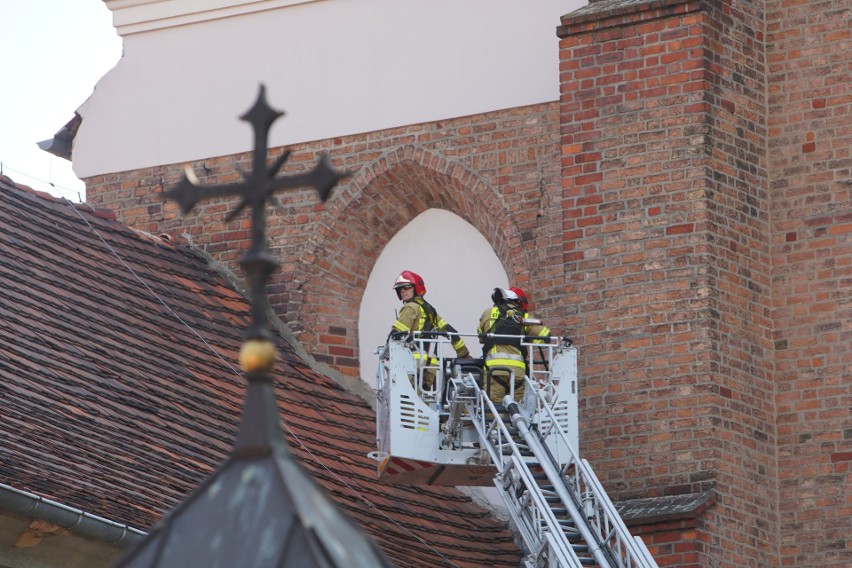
(449, 432)
(561, 511)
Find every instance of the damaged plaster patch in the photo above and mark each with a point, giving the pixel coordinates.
(38, 531)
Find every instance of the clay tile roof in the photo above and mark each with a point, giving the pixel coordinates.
(119, 393)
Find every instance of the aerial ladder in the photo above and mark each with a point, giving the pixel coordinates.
(451, 433)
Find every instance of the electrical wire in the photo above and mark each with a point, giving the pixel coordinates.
(317, 460)
(145, 284)
(5, 166)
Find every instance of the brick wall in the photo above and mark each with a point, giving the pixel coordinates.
(747, 473)
(674, 543)
(634, 233)
(683, 212)
(810, 160)
(498, 171)
(666, 236)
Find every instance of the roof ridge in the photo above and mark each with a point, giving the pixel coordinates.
(100, 212)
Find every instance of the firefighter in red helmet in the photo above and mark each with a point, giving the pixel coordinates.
(418, 315)
(504, 357)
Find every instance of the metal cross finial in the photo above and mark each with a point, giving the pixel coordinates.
(256, 189)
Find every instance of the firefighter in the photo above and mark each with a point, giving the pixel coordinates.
(418, 315)
(504, 356)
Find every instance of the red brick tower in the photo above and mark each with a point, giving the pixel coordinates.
(809, 90)
(687, 192)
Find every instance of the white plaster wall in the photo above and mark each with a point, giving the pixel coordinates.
(460, 270)
(337, 67)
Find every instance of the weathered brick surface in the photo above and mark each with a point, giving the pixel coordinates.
(810, 161)
(666, 226)
(635, 239)
(683, 212)
(499, 171)
(675, 543)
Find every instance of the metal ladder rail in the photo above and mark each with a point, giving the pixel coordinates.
(432, 345)
(554, 474)
(627, 550)
(539, 527)
(537, 375)
(612, 513)
(539, 514)
(531, 513)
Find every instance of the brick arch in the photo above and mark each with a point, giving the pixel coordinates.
(378, 201)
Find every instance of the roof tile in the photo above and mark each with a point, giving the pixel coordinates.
(119, 392)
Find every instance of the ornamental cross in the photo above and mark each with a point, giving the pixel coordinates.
(256, 189)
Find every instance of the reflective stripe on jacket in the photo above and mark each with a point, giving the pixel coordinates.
(413, 317)
(501, 355)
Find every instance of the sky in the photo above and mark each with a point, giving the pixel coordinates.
(53, 54)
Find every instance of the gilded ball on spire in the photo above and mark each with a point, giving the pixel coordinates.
(257, 356)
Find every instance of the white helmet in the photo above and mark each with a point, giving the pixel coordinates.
(502, 295)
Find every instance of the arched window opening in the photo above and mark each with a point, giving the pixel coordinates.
(460, 269)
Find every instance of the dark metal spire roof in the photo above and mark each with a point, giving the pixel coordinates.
(259, 509)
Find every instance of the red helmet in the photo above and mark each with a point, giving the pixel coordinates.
(522, 298)
(408, 278)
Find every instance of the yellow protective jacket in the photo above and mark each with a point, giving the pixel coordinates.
(418, 315)
(504, 354)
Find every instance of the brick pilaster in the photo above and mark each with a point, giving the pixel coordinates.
(665, 226)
